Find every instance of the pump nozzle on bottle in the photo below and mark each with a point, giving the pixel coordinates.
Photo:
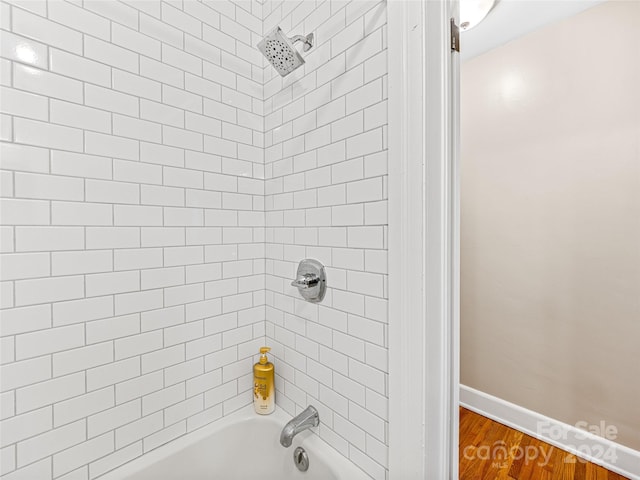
(263, 354)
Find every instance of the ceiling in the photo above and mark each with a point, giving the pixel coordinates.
(511, 19)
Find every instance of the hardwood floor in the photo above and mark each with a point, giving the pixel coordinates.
(492, 451)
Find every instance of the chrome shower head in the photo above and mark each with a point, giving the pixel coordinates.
(280, 51)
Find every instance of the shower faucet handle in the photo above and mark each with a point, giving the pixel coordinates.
(305, 281)
(311, 280)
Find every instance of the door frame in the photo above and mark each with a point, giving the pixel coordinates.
(423, 241)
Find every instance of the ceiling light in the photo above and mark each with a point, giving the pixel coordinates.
(472, 12)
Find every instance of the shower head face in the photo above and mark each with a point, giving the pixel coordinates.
(280, 52)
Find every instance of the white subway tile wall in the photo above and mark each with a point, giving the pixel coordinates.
(133, 235)
(160, 182)
(326, 198)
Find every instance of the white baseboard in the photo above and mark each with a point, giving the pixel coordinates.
(595, 449)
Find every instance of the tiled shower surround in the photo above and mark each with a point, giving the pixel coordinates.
(325, 198)
(160, 183)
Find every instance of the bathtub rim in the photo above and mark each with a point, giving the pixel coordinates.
(309, 440)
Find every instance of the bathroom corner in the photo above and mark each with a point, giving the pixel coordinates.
(160, 184)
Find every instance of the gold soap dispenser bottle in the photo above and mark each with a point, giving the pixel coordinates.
(264, 392)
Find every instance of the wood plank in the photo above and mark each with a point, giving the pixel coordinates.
(492, 451)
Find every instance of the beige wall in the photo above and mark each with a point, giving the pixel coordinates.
(551, 220)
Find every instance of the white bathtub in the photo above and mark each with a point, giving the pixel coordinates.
(241, 446)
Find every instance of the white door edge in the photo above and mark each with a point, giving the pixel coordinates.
(423, 242)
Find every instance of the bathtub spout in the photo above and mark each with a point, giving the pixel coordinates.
(307, 419)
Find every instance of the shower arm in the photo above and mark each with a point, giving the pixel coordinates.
(307, 40)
